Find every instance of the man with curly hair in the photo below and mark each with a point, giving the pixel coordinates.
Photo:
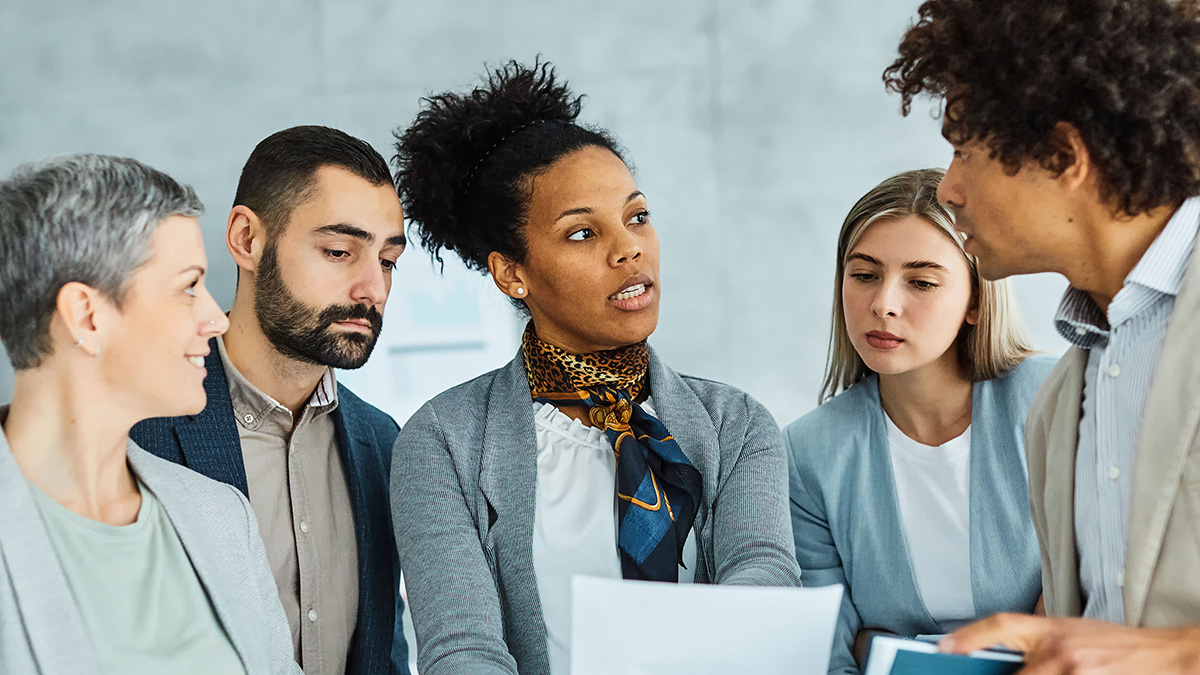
(1076, 135)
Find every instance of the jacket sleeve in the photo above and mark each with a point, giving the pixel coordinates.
(455, 604)
(750, 528)
(819, 559)
(281, 654)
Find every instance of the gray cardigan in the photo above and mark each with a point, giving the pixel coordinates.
(41, 630)
(463, 488)
(846, 516)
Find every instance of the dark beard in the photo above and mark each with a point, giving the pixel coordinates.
(306, 334)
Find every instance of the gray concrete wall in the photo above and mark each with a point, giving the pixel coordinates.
(753, 125)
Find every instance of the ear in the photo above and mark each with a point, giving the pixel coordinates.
(972, 317)
(245, 236)
(79, 317)
(1072, 156)
(508, 276)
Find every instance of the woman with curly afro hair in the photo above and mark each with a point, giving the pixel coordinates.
(586, 454)
(1076, 134)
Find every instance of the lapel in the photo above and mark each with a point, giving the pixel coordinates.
(53, 627)
(682, 413)
(191, 517)
(1168, 430)
(209, 441)
(508, 481)
(888, 531)
(999, 514)
(369, 506)
(1060, 443)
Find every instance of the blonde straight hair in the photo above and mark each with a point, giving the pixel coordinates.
(989, 349)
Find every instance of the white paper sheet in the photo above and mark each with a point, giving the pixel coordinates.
(700, 629)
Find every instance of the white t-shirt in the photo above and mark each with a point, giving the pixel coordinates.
(575, 520)
(933, 488)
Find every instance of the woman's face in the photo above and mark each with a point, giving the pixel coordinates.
(906, 292)
(155, 343)
(591, 272)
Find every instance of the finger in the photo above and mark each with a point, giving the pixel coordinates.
(1014, 631)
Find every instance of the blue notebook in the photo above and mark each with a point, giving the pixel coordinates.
(900, 656)
(918, 663)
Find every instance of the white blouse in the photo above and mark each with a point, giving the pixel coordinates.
(933, 488)
(575, 520)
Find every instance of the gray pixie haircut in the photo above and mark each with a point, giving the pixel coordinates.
(83, 218)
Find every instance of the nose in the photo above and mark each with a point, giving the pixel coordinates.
(213, 321)
(886, 302)
(949, 190)
(372, 284)
(626, 248)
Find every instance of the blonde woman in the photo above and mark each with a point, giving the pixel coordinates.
(909, 486)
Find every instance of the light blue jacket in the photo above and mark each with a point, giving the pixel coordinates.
(846, 517)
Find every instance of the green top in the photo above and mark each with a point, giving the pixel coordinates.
(142, 603)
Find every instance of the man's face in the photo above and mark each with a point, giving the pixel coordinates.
(1013, 222)
(321, 287)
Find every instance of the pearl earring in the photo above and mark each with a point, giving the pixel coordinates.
(520, 291)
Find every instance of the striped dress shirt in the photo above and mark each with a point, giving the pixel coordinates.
(1123, 349)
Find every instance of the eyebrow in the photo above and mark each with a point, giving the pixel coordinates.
(189, 268)
(587, 209)
(911, 265)
(348, 230)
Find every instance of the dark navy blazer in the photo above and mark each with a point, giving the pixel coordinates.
(208, 444)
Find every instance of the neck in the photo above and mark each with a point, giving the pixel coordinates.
(288, 381)
(931, 405)
(1109, 248)
(69, 440)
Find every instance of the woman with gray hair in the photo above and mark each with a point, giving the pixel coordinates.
(112, 560)
(909, 486)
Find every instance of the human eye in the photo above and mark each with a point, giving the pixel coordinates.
(581, 234)
(336, 254)
(388, 264)
(862, 276)
(924, 285)
(640, 218)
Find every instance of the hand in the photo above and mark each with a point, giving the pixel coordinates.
(1082, 646)
(862, 645)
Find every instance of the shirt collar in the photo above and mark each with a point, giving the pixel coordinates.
(1160, 270)
(252, 406)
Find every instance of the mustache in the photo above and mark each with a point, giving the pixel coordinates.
(334, 313)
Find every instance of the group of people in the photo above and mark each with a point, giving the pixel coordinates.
(185, 490)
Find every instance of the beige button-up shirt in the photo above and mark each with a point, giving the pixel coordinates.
(298, 492)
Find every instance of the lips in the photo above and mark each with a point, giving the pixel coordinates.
(635, 293)
(883, 340)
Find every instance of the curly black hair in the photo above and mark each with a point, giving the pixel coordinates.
(1125, 73)
(463, 167)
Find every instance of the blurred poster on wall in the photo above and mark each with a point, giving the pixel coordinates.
(439, 330)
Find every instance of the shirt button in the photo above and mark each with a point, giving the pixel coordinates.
(1114, 473)
(1114, 370)
(312, 615)
(1080, 330)
(304, 526)
(248, 418)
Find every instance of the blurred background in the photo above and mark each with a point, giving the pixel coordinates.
(753, 126)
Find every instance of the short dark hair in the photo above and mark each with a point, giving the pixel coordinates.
(463, 167)
(281, 172)
(1125, 73)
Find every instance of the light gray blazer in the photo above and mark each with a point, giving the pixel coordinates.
(41, 630)
(846, 516)
(464, 478)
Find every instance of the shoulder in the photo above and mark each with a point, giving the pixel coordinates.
(365, 413)
(1020, 385)
(173, 482)
(835, 418)
(460, 411)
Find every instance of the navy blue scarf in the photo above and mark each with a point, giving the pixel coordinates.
(659, 489)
